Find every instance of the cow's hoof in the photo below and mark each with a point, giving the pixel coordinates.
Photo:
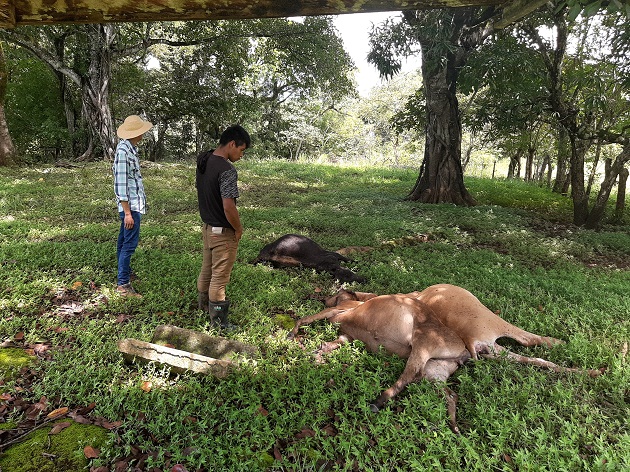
(374, 408)
(597, 372)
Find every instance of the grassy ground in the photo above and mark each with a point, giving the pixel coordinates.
(515, 251)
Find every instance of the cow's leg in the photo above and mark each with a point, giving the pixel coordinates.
(322, 315)
(451, 407)
(530, 339)
(500, 352)
(330, 346)
(336, 344)
(413, 369)
(285, 261)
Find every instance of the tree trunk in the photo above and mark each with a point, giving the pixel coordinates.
(7, 150)
(591, 178)
(514, 169)
(529, 164)
(561, 183)
(95, 88)
(441, 178)
(467, 154)
(597, 212)
(544, 166)
(621, 196)
(65, 95)
(156, 149)
(578, 192)
(549, 172)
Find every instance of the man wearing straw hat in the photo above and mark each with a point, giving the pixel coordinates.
(130, 196)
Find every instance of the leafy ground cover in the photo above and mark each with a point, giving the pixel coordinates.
(516, 251)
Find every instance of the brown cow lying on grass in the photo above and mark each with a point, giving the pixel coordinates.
(295, 250)
(437, 329)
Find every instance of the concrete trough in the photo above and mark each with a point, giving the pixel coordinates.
(185, 350)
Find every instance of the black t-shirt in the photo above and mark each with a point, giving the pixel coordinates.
(216, 178)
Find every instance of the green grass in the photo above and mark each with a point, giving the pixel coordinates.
(516, 251)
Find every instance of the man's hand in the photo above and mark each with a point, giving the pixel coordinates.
(128, 221)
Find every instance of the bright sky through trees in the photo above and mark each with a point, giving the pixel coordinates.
(354, 29)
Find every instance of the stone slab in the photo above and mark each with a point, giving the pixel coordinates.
(203, 344)
(179, 361)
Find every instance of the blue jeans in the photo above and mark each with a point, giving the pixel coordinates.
(127, 244)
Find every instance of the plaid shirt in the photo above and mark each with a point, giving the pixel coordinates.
(127, 179)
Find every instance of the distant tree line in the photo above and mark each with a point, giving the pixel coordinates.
(551, 89)
(70, 86)
(549, 93)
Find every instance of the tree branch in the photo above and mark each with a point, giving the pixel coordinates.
(55, 63)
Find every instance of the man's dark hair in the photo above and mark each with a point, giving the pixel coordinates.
(237, 134)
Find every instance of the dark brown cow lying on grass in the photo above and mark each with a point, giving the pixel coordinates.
(437, 329)
(294, 250)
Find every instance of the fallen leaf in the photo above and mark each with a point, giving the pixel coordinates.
(111, 425)
(329, 430)
(58, 427)
(262, 411)
(58, 412)
(305, 433)
(87, 409)
(121, 466)
(179, 468)
(146, 386)
(77, 285)
(40, 349)
(36, 409)
(90, 453)
(81, 419)
(60, 329)
(276, 453)
(19, 336)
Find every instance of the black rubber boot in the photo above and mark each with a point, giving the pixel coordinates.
(219, 314)
(203, 300)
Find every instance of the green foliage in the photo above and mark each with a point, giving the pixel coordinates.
(516, 251)
(33, 108)
(209, 74)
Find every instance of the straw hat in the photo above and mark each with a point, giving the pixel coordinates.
(133, 126)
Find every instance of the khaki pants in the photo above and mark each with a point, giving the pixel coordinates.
(219, 254)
